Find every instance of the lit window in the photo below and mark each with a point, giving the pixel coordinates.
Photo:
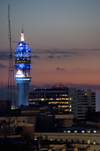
(66, 110)
(42, 99)
(64, 106)
(83, 131)
(51, 139)
(63, 99)
(94, 142)
(64, 131)
(88, 141)
(67, 99)
(75, 131)
(94, 131)
(68, 131)
(51, 98)
(88, 131)
(30, 99)
(59, 98)
(70, 106)
(70, 110)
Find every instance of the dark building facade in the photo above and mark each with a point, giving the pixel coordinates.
(64, 99)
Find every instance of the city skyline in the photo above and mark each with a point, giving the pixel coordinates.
(63, 36)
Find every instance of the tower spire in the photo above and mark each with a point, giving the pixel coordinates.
(22, 36)
(11, 84)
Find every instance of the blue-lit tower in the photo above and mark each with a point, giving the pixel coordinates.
(22, 66)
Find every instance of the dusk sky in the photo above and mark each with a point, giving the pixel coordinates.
(64, 37)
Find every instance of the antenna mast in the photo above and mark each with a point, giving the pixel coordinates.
(11, 84)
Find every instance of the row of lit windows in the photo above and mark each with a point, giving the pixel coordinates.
(88, 141)
(63, 106)
(57, 99)
(42, 99)
(38, 99)
(63, 95)
(58, 102)
(66, 110)
(83, 131)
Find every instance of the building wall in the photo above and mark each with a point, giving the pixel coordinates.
(29, 132)
(18, 119)
(18, 125)
(92, 140)
(64, 116)
(5, 107)
(64, 123)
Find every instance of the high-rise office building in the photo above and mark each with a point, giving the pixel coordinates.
(22, 66)
(64, 99)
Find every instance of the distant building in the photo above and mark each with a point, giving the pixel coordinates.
(85, 140)
(85, 100)
(64, 99)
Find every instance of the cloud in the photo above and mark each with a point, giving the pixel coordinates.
(96, 49)
(3, 66)
(35, 56)
(50, 56)
(58, 57)
(60, 69)
(65, 55)
(55, 51)
(61, 52)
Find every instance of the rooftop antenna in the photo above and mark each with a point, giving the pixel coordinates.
(11, 84)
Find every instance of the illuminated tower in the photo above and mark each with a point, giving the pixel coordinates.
(22, 66)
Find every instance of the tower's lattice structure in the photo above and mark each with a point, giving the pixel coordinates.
(22, 66)
(11, 84)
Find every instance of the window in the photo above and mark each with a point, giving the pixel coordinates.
(75, 131)
(94, 142)
(88, 131)
(64, 131)
(88, 141)
(68, 131)
(94, 131)
(83, 131)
